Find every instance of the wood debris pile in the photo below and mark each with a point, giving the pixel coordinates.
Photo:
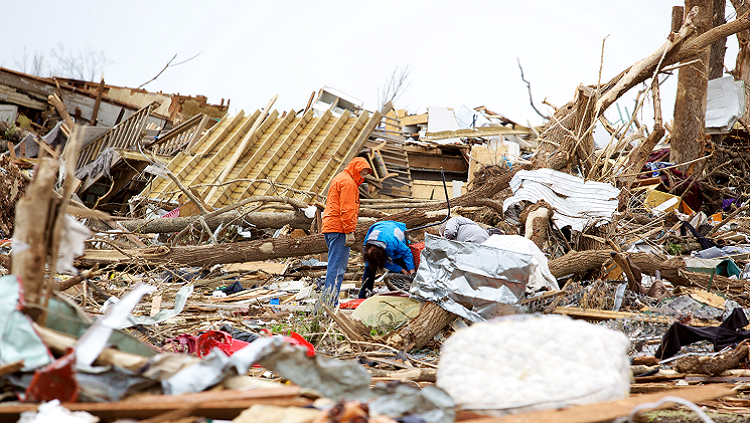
(215, 221)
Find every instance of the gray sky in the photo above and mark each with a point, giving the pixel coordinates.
(460, 52)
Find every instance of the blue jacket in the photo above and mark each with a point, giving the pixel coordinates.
(391, 234)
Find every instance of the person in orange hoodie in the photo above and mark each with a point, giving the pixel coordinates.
(340, 221)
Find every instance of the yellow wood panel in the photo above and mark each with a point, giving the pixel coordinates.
(253, 158)
(336, 152)
(182, 165)
(209, 169)
(290, 158)
(305, 154)
(320, 149)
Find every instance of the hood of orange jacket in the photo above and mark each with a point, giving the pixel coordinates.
(355, 167)
(342, 204)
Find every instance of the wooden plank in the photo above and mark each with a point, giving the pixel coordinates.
(414, 120)
(475, 133)
(330, 168)
(300, 150)
(364, 134)
(605, 411)
(260, 163)
(226, 404)
(9, 368)
(241, 148)
(97, 102)
(321, 148)
(591, 314)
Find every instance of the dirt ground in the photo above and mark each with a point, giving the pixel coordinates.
(687, 416)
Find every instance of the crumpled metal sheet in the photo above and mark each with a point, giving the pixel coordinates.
(577, 202)
(179, 304)
(18, 339)
(452, 274)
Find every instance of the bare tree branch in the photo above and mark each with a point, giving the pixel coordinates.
(528, 85)
(84, 64)
(396, 85)
(168, 65)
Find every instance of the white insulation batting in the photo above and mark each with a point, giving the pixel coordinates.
(518, 364)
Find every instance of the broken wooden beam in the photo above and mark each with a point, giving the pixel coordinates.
(606, 411)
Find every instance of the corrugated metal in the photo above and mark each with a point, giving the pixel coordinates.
(578, 203)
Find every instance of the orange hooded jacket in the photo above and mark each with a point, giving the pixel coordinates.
(342, 204)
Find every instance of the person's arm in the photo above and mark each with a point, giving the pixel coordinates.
(403, 252)
(349, 207)
(393, 267)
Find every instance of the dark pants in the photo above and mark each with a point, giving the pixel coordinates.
(368, 279)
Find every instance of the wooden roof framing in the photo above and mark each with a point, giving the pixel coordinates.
(300, 151)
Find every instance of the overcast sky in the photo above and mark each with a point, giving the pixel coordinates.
(459, 52)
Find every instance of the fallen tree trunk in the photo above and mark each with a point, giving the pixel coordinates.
(421, 329)
(244, 251)
(259, 219)
(578, 262)
(713, 365)
(296, 220)
(672, 270)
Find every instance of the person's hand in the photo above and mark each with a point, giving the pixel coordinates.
(349, 239)
(411, 272)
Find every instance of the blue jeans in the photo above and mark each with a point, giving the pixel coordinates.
(338, 258)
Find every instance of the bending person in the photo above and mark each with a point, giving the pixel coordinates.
(385, 247)
(339, 223)
(463, 230)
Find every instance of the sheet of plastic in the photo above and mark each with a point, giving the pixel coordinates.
(18, 339)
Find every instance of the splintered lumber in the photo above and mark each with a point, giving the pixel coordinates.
(421, 329)
(32, 230)
(353, 329)
(606, 411)
(55, 101)
(9, 368)
(60, 342)
(244, 251)
(414, 375)
(599, 315)
(226, 404)
(706, 365)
